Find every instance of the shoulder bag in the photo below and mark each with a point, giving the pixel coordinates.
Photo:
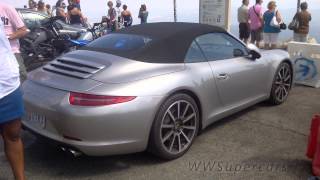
(294, 24)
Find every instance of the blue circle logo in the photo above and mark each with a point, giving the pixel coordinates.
(305, 69)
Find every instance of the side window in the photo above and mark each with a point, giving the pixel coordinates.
(219, 46)
(194, 54)
(32, 20)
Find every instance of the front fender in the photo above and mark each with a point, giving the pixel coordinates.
(275, 58)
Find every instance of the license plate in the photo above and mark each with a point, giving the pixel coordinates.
(36, 119)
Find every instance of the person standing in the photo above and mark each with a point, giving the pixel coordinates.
(271, 33)
(32, 5)
(126, 16)
(60, 12)
(143, 14)
(76, 3)
(75, 16)
(11, 106)
(303, 17)
(243, 19)
(118, 10)
(256, 22)
(59, 3)
(14, 29)
(49, 10)
(112, 17)
(42, 7)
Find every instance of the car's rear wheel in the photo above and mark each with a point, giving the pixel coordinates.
(281, 84)
(175, 127)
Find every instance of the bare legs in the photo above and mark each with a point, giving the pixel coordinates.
(273, 46)
(14, 147)
(267, 46)
(244, 40)
(258, 44)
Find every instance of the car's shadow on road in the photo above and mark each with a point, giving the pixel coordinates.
(50, 160)
(235, 117)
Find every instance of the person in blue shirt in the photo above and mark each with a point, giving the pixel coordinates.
(271, 32)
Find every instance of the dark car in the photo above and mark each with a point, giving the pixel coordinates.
(33, 19)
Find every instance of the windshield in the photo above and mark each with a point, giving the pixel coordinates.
(120, 42)
(32, 19)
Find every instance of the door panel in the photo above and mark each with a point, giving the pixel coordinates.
(203, 83)
(239, 80)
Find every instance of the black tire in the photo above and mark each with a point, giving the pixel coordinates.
(184, 129)
(281, 84)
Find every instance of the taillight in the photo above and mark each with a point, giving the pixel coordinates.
(81, 99)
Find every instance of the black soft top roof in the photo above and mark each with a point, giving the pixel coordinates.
(170, 41)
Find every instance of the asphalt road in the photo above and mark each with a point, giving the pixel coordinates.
(262, 142)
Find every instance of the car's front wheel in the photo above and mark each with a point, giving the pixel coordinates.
(281, 84)
(175, 127)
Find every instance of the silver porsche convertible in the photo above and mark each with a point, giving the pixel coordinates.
(150, 87)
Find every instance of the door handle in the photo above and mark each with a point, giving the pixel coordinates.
(223, 76)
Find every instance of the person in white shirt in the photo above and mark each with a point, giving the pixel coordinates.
(243, 19)
(15, 29)
(118, 10)
(11, 106)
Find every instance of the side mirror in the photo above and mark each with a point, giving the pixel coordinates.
(254, 52)
(238, 53)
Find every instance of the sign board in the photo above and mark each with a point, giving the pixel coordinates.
(215, 12)
(306, 58)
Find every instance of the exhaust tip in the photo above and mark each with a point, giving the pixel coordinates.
(75, 153)
(72, 152)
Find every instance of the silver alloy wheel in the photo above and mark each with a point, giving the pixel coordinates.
(283, 82)
(178, 127)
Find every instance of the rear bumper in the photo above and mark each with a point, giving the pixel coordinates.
(85, 147)
(48, 140)
(95, 131)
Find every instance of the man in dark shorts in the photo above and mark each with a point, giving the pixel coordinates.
(243, 19)
(11, 106)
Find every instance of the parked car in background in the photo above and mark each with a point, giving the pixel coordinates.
(33, 20)
(152, 86)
